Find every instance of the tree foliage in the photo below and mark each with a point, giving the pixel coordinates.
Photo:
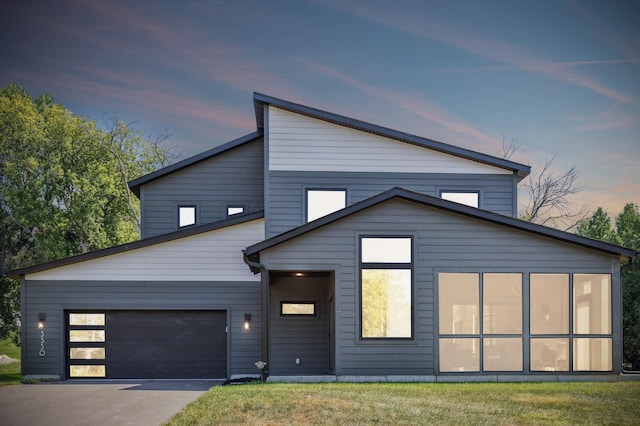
(626, 233)
(63, 185)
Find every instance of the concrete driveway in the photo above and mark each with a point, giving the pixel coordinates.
(145, 402)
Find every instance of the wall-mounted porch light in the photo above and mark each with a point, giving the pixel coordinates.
(247, 321)
(42, 317)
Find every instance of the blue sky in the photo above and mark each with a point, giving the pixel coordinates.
(561, 77)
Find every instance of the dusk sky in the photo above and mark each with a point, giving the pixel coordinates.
(561, 77)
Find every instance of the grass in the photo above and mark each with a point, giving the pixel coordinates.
(10, 373)
(424, 403)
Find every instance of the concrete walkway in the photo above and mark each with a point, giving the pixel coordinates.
(146, 402)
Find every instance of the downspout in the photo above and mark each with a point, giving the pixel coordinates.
(264, 282)
(622, 268)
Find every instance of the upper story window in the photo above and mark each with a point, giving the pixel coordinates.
(321, 202)
(386, 269)
(186, 216)
(469, 198)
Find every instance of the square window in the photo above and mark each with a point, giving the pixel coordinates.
(321, 202)
(592, 354)
(459, 354)
(186, 216)
(502, 354)
(550, 354)
(467, 198)
(386, 303)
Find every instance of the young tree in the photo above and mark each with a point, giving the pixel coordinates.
(549, 202)
(63, 184)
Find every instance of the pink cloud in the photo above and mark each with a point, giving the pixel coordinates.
(149, 99)
(436, 29)
(409, 103)
(611, 118)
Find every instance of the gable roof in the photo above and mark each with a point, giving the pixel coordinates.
(180, 233)
(135, 184)
(260, 100)
(253, 252)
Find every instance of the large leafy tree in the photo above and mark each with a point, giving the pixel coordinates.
(63, 185)
(627, 234)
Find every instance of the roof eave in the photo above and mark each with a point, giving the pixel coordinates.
(444, 205)
(180, 233)
(259, 99)
(135, 184)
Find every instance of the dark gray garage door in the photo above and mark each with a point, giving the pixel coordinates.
(149, 345)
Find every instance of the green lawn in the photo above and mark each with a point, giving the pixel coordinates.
(10, 373)
(425, 403)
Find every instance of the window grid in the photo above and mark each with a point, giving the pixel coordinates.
(572, 337)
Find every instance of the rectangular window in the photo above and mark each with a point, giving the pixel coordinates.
(459, 303)
(86, 344)
(86, 319)
(321, 202)
(86, 353)
(86, 336)
(186, 216)
(549, 305)
(592, 354)
(553, 345)
(502, 354)
(298, 308)
(386, 287)
(502, 304)
(233, 210)
(467, 198)
(459, 354)
(87, 371)
(460, 299)
(549, 354)
(592, 304)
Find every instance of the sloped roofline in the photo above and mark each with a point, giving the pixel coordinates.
(259, 100)
(135, 184)
(181, 233)
(253, 251)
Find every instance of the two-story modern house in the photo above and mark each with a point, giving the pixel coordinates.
(331, 249)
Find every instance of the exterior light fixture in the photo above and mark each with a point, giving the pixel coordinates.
(42, 317)
(299, 274)
(247, 321)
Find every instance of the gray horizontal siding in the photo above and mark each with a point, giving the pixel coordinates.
(286, 192)
(54, 297)
(232, 178)
(443, 242)
(294, 337)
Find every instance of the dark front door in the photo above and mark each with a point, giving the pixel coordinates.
(166, 344)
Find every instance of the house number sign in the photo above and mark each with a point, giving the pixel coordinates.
(42, 351)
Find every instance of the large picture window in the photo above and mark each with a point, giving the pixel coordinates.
(386, 287)
(496, 330)
(482, 326)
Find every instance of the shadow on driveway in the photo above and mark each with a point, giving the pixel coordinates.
(100, 402)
